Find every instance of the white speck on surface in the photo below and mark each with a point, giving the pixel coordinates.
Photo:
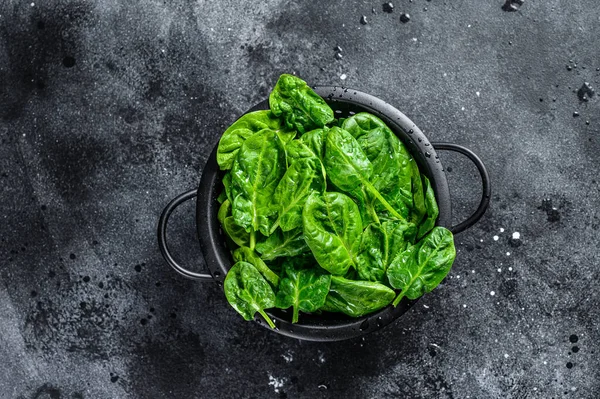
(458, 276)
(414, 39)
(516, 235)
(492, 293)
(496, 238)
(535, 388)
(343, 76)
(501, 229)
(462, 109)
(506, 355)
(426, 307)
(464, 305)
(499, 270)
(477, 93)
(508, 254)
(276, 383)
(321, 357)
(32, 4)
(288, 356)
(481, 240)
(545, 362)
(445, 74)
(510, 269)
(473, 271)
(468, 26)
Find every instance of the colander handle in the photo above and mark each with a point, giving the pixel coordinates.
(486, 191)
(162, 238)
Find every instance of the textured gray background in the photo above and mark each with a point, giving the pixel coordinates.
(110, 108)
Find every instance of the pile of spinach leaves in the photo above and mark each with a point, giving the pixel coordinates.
(325, 215)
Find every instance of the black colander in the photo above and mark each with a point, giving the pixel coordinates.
(327, 326)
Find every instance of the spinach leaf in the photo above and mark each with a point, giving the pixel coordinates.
(256, 171)
(379, 244)
(315, 140)
(298, 105)
(236, 233)
(245, 254)
(278, 244)
(242, 129)
(303, 288)
(332, 229)
(432, 210)
(248, 292)
(392, 166)
(227, 185)
(348, 168)
(356, 298)
(366, 205)
(302, 178)
(224, 211)
(422, 267)
(419, 209)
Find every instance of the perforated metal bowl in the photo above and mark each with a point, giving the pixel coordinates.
(327, 326)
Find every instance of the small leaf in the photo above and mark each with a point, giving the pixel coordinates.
(305, 289)
(242, 129)
(356, 298)
(298, 105)
(420, 268)
(248, 292)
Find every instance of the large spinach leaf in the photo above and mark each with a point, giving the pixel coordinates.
(303, 288)
(304, 176)
(356, 298)
(348, 168)
(432, 210)
(256, 171)
(248, 124)
(392, 166)
(298, 105)
(248, 292)
(282, 244)
(246, 254)
(422, 267)
(332, 229)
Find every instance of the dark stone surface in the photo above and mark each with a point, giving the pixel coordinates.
(110, 108)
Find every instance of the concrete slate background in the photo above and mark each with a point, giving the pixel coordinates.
(108, 109)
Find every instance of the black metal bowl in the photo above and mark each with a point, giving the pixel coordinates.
(327, 326)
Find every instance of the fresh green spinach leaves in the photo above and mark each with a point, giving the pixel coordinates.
(324, 214)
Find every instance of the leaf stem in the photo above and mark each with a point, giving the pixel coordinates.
(398, 298)
(252, 239)
(267, 318)
(295, 316)
(386, 204)
(275, 226)
(373, 213)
